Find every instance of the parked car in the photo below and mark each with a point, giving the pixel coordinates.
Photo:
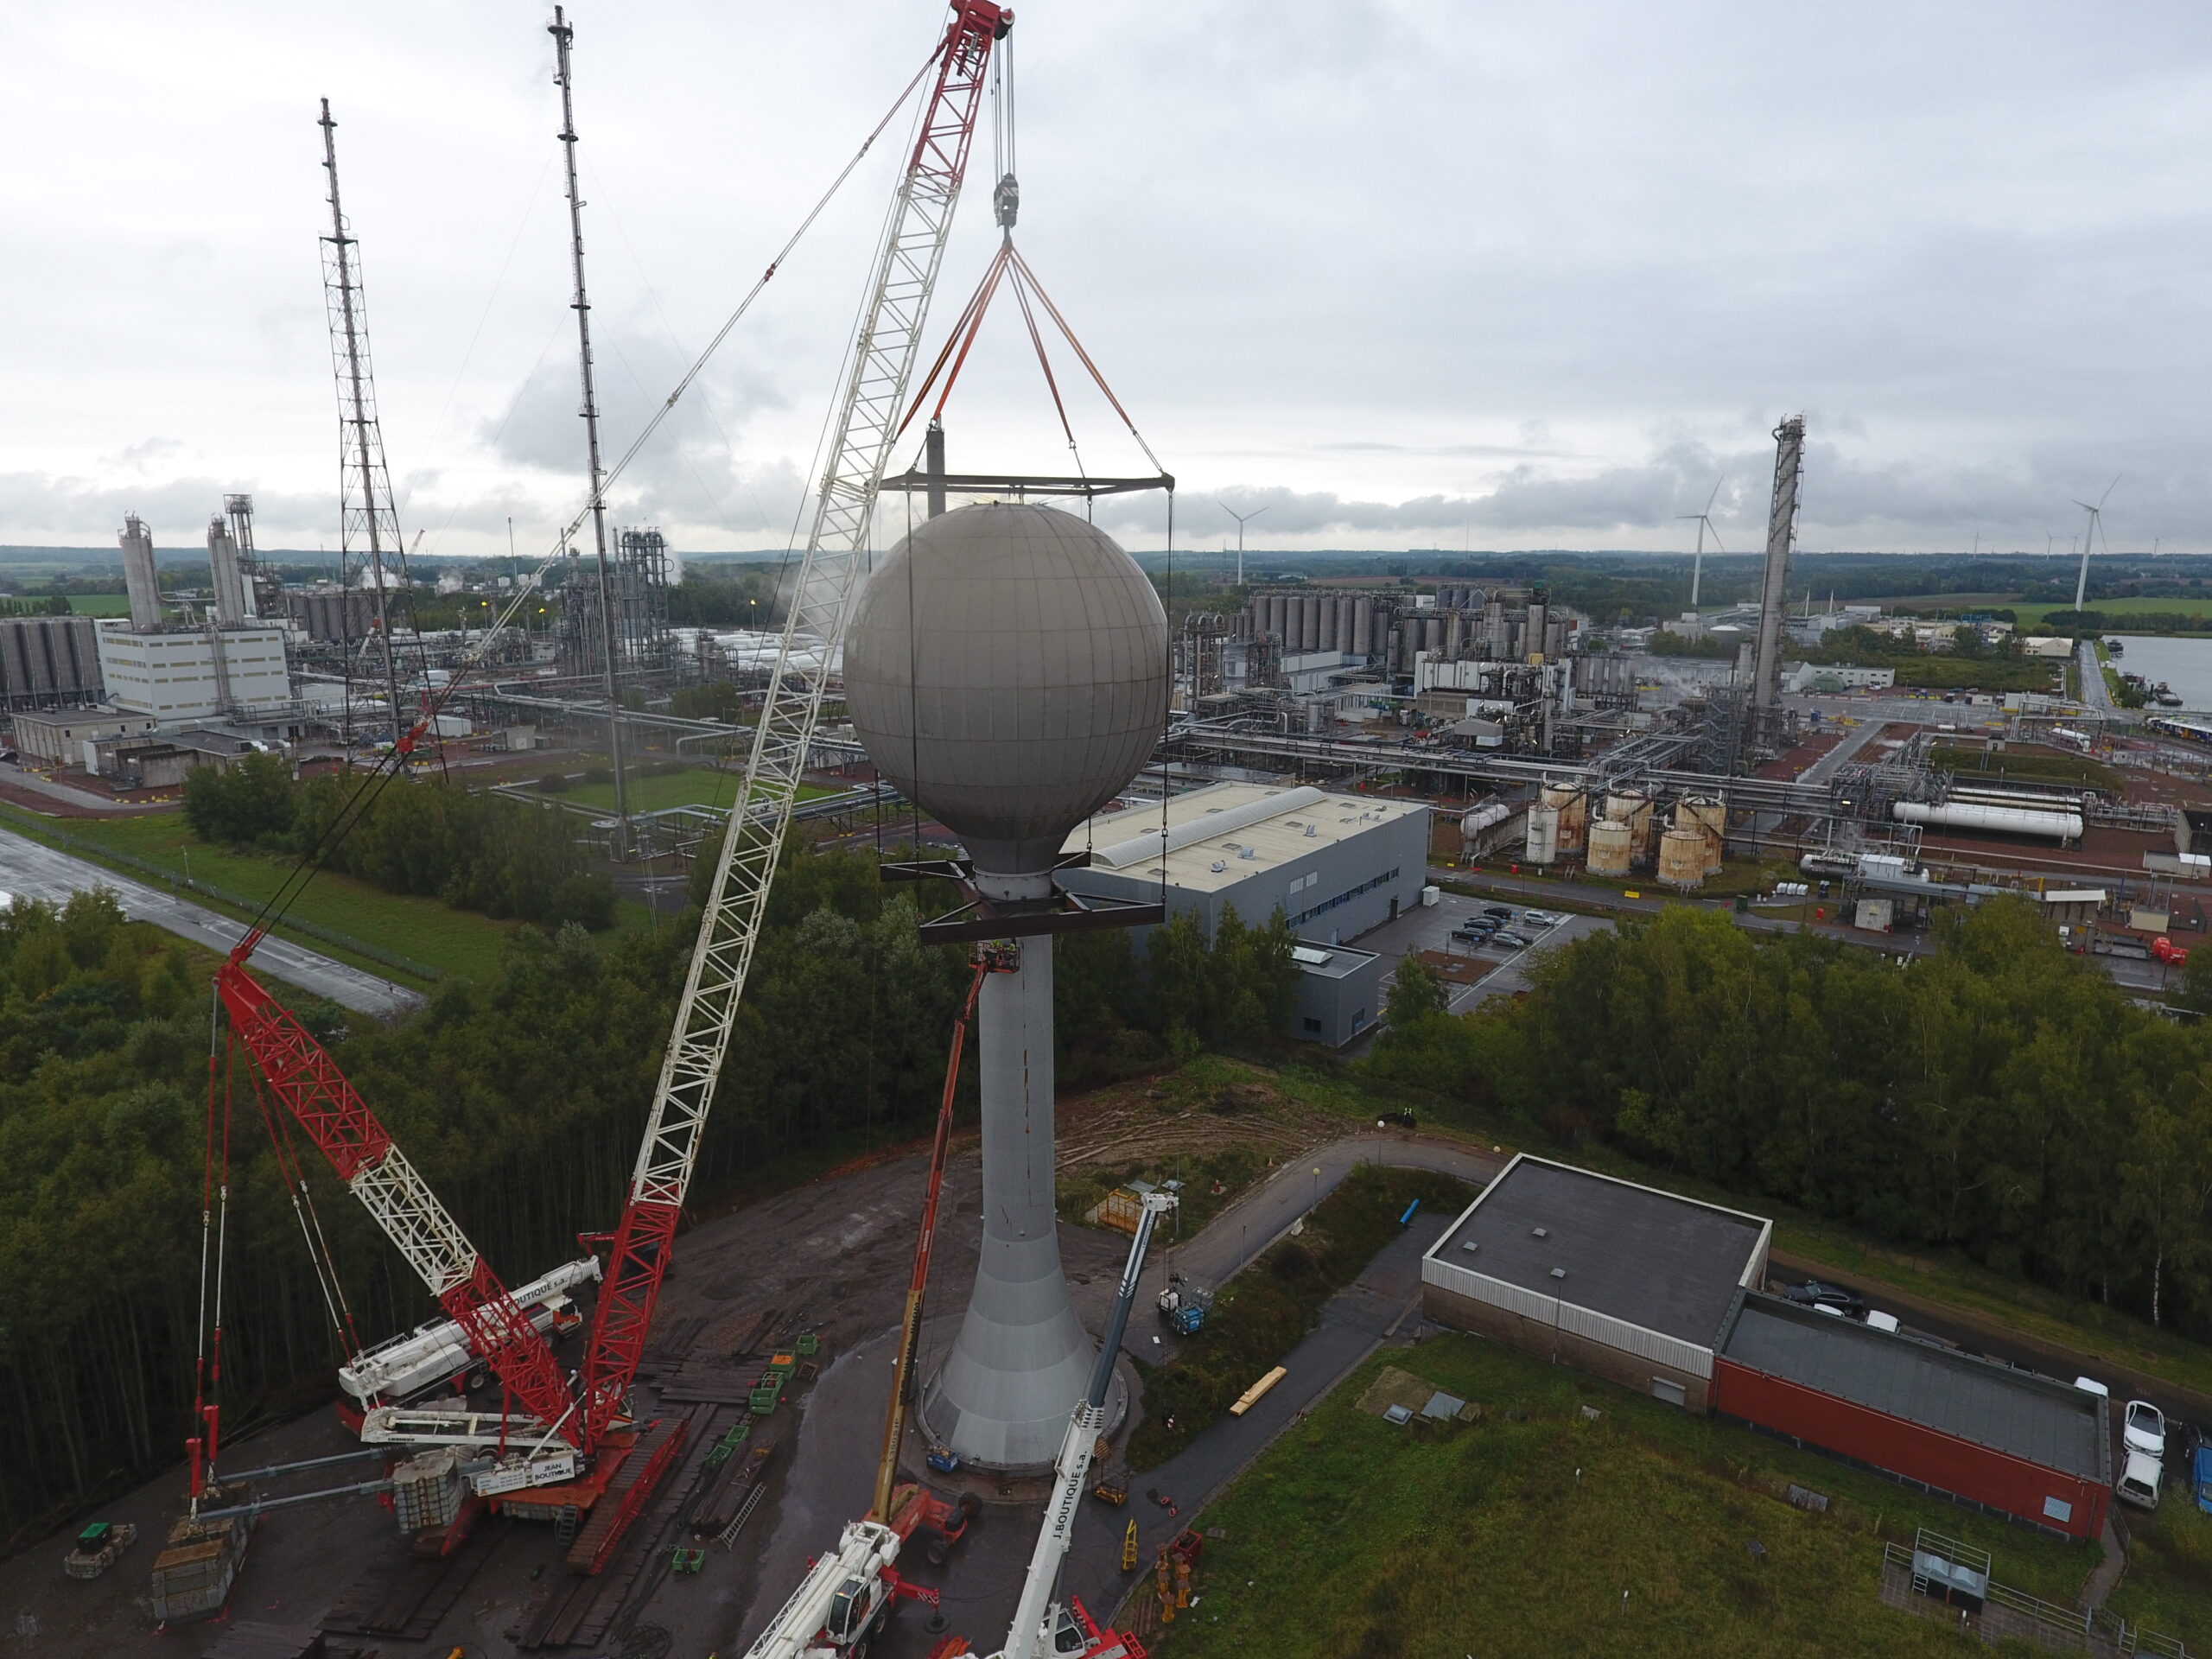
(1512, 940)
(2140, 1481)
(1472, 935)
(1502, 914)
(1541, 918)
(1813, 1293)
(2090, 1385)
(2143, 1429)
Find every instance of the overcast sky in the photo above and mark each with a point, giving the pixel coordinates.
(1408, 275)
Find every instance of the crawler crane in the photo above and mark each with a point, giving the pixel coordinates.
(308, 1086)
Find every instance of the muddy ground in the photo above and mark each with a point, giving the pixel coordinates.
(832, 1257)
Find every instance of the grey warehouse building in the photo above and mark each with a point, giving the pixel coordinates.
(1337, 866)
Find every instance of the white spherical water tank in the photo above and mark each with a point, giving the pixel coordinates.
(1006, 668)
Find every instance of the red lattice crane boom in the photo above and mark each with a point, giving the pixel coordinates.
(308, 1084)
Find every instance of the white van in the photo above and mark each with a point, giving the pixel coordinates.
(2139, 1482)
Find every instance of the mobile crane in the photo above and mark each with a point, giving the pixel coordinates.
(306, 1085)
(846, 1596)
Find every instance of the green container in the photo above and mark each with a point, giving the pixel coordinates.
(762, 1400)
(807, 1345)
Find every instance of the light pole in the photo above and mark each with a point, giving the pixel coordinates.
(1242, 519)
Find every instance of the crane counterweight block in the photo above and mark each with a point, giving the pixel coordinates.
(306, 1082)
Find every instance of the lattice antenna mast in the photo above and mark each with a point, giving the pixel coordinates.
(861, 431)
(366, 509)
(563, 35)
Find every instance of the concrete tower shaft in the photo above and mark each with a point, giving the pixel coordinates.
(139, 579)
(1781, 533)
(1021, 1358)
(223, 567)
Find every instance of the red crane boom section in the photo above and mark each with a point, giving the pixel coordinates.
(309, 1084)
(646, 1233)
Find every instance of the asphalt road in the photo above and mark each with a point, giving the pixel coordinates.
(37, 871)
(1353, 1324)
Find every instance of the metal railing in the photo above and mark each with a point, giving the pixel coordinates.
(2090, 1629)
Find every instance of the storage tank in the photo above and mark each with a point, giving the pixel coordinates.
(1681, 858)
(1476, 819)
(1612, 846)
(1363, 627)
(1633, 807)
(1432, 634)
(2005, 820)
(1544, 834)
(1710, 818)
(1573, 808)
(1331, 610)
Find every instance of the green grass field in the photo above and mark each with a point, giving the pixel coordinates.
(1518, 1535)
(696, 786)
(2131, 606)
(99, 604)
(425, 930)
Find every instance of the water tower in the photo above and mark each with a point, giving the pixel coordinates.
(1006, 668)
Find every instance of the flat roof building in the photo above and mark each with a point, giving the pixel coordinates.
(1336, 865)
(2029, 1448)
(1339, 992)
(60, 736)
(1622, 1280)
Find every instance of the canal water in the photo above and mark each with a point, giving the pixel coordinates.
(2185, 664)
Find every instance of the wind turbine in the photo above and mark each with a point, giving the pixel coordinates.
(1242, 519)
(1704, 524)
(2089, 535)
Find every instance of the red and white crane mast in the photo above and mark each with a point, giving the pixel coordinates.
(884, 351)
(312, 1091)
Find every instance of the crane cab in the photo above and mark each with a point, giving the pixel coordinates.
(854, 1608)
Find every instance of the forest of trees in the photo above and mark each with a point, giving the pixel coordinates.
(521, 1099)
(2000, 1097)
(476, 851)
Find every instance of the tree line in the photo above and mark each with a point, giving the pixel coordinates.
(429, 836)
(521, 1098)
(2000, 1097)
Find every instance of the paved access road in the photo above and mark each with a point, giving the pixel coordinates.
(36, 870)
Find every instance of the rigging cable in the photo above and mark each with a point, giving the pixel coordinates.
(351, 810)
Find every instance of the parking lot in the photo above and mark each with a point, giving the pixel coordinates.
(1430, 928)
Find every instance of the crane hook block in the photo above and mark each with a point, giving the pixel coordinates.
(1006, 201)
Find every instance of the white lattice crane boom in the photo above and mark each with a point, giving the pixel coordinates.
(884, 351)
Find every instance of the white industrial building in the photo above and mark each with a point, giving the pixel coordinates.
(195, 676)
(234, 664)
(1335, 865)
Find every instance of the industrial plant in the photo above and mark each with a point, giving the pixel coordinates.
(1229, 907)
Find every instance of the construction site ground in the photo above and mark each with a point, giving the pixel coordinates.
(831, 1257)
